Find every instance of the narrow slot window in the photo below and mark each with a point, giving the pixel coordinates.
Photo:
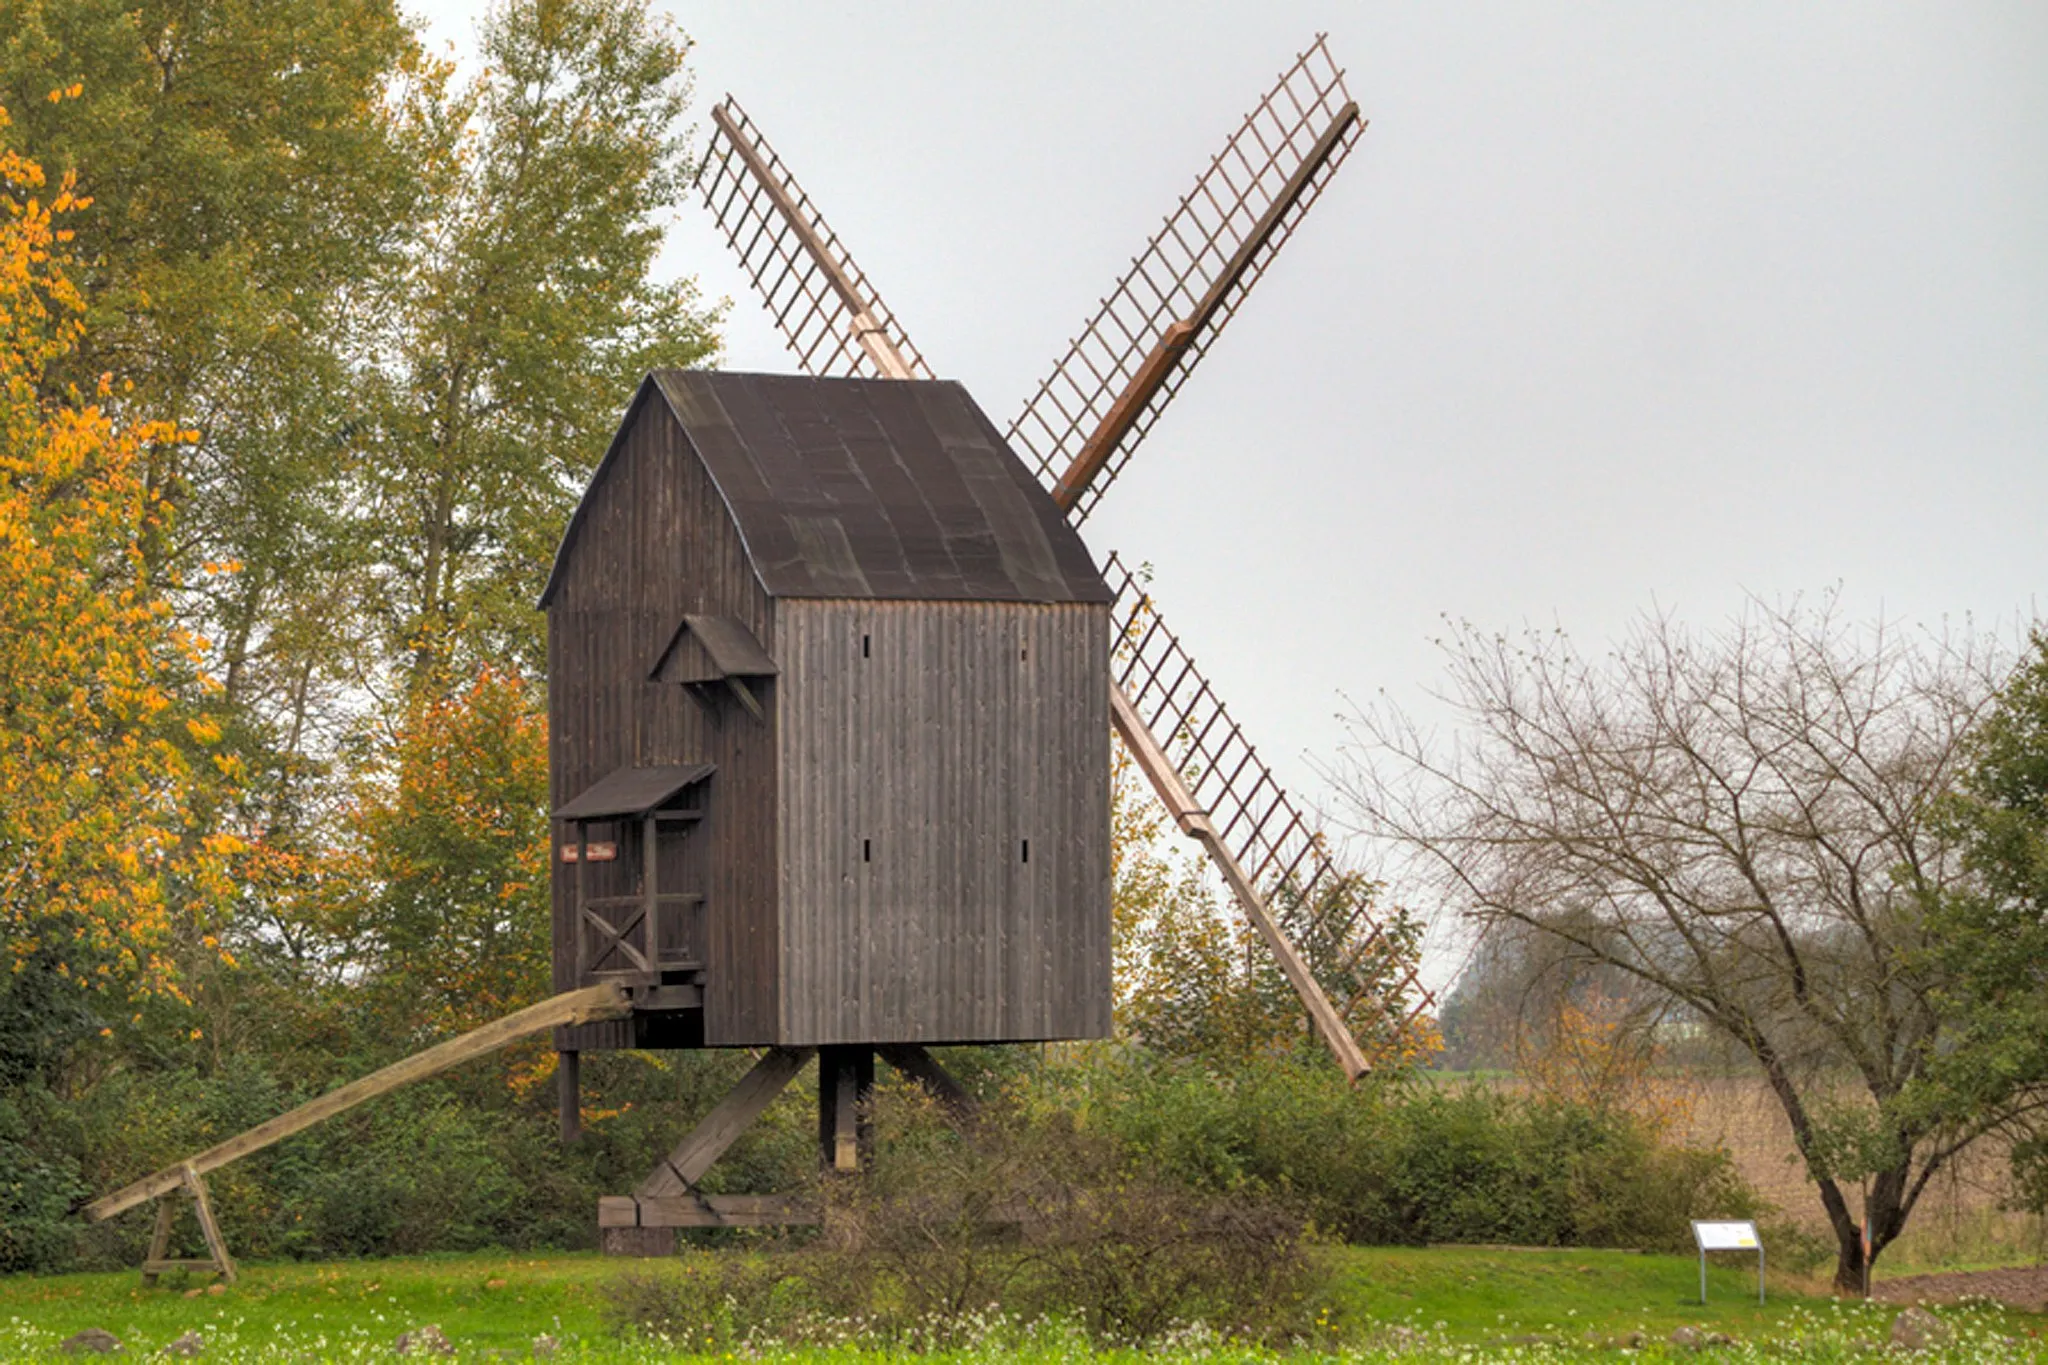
(867, 851)
(1027, 850)
(863, 646)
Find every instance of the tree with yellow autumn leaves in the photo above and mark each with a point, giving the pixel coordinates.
(107, 868)
(113, 872)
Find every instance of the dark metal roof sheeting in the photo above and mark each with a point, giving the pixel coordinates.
(633, 791)
(873, 488)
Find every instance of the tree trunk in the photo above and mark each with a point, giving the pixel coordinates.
(1885, 1208)
(1849, 1259)
(1848, 1238)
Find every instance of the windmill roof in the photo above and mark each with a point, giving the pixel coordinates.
(870, 488)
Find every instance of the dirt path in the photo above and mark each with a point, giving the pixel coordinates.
(2022, 1287)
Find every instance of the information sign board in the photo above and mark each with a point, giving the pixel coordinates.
(1728, 1234)
(1725, 1236)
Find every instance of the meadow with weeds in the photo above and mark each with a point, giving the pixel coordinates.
(1376, 1304)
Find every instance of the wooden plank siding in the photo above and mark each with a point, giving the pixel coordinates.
(912, 772)
(942, 640)
(656, 542)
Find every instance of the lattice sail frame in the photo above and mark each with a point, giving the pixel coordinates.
(1280, 848)
(819, 298)
(1187, 283)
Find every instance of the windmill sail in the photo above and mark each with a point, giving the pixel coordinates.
(1090, 413)
(1279, 849)
(834, 320)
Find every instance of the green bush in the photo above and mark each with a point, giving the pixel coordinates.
(1394, 1162)
(455, 1163)
(37, 1230)
(461, 1162)
(1028, 1219)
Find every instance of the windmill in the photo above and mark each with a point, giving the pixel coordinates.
(824, 661)
(1080, 428)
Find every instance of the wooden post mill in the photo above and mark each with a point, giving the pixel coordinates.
(829, 704)
(832, 678)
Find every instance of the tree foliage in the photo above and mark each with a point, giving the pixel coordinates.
(442, 903)
(1990, 936)
(268, 600)
(253, 182)
(1194, 979)
(102, 770)
(527, 309)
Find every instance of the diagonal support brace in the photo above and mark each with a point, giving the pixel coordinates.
(720, 1128)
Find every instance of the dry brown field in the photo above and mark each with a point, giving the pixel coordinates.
(1958, 1222)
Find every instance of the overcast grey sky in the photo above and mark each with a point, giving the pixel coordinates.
(1613, 306)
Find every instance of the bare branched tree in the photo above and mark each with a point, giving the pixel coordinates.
(1741, 820)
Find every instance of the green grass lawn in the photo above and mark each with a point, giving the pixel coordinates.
(491, 1301)
(1486, 1295)
(1387, 1303)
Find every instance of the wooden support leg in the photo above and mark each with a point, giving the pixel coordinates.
(846, 1077)
(160, 1240)
(645, 1222)
(159, 1260)
(569, 1089)
(217, 1245)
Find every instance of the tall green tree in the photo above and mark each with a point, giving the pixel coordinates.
(1991, 935)
(252, 176)
(529, 307)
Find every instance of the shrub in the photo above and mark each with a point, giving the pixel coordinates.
(37, 1231)
(463, 1162)
(1395, 1162)
(1044, 1216)
(1029, 1220)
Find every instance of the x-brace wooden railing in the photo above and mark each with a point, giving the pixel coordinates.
(645, 905)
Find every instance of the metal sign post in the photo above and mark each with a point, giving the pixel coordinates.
(1728, 1236)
